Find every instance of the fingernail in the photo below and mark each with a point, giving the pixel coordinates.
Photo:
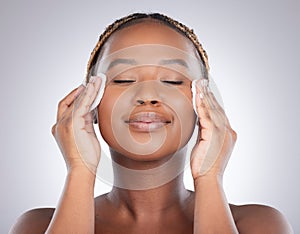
(79, 89)
(197, 83)
(84, 83)
(93, 79)
(204, 82)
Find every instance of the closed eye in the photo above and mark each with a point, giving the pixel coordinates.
(173, 82)
(123, 81)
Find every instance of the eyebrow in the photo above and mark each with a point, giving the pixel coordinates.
(134, 62)
(174, 61)
(121, 61)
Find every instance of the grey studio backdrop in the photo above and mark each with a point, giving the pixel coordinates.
(253, 49)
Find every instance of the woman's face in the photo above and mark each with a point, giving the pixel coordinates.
(146, 113)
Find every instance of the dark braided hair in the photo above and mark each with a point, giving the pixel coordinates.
(139, 17)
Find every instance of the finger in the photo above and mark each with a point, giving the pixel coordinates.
(225, 120)
(220, 110)
(201, 106)
(205, 89)
(67, 101)
(215, 102)
(209, 117)
(217, 117)
(216, 113)
(84, 102)
(89, 127)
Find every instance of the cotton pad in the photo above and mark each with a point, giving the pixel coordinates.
(100, 92)
(194, 93)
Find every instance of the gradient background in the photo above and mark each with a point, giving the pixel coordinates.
(253, 49)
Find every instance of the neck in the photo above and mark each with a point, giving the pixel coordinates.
(154, 190)
(144, 175)
(154, 203)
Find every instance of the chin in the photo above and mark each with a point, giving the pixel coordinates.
(162, 157)
(145, 154)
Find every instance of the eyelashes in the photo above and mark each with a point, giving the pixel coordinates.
(172, 82)
(123, 81)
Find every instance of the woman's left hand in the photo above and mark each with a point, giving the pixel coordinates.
(216, 138)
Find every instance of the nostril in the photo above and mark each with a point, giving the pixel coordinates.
(140, 102)
(151, 102)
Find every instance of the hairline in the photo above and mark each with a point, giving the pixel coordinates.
(138, 18)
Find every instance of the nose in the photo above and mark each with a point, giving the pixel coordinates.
(151, 102)
(148, 94)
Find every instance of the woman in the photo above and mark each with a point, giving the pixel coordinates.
(146, 116)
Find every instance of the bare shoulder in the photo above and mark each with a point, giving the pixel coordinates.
(260, 219)
(33, 221)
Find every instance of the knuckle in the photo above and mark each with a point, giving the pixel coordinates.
(207, 116)
(67, 123)
(53, 129)
(219, 125)
(64, 126)
(233, 134)
(60, 103)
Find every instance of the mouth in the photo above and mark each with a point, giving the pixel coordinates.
(147, 121)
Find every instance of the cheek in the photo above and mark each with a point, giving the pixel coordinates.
(180, 101)
(114, 107)
(105, 110)
(186, 115)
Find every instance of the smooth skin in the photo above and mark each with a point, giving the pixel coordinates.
(169, 208)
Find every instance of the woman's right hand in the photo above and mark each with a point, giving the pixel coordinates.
(74, 131)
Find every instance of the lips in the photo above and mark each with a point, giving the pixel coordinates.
(147, 121)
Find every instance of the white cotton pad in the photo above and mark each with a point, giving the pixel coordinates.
(100, 92)
(194, 95)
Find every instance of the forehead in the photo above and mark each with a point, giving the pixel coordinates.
(147, 32)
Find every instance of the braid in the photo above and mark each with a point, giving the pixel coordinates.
(136, 17)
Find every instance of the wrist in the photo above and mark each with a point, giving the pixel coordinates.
(207, 180)
(81, 166)
(82, 173)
